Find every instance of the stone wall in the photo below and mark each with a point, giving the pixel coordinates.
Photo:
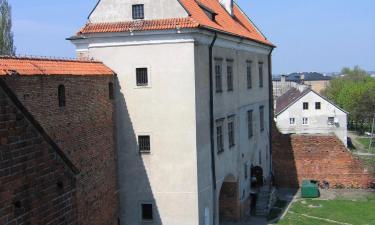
(84, 130)
(37, 186)
(321, 158)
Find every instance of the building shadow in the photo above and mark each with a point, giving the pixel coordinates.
(133, 179)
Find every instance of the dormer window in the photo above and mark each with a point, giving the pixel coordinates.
(138, 12)
(209, 12)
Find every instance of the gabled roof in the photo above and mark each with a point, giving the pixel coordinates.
(27, 66)
(238, 24)
(292, 96)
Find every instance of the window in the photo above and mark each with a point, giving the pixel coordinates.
(246, 169)
(229, 76)
(218, 78)
(331, 120)
(138, 12)
(61, 95)
(231, 134)
(305, 106)
(249, 75)
(250, 123)
(292, 121)
(147, 212)
(261, 74)
(110, 91)
(261, 117)
(260, 157)
(305, 121)
(318, 105)
(144, 144)
(219, 138)
(142, 76)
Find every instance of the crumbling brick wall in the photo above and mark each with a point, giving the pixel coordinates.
(36, 184)
(321, 158)
(84, 130)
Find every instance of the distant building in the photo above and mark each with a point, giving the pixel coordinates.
(307, 112)
(316, 81)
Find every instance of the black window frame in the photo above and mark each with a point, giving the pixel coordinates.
(230, 85)
(261, 75)
(144, 143)
(147, 216)
(305, 106)
(218, 77)
(231, 134)
(249, 75)
(61, 92)
(219, 137)
(142, 78)
(250, 124)
(138, 11)
(261, 118)
(318, 105)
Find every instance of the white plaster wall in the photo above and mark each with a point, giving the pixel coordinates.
(317, 118)
(121, 10)
(238, 102)
(165, 110)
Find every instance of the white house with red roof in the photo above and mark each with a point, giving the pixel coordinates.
(193, 106)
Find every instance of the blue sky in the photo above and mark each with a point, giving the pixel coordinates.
(311, 35)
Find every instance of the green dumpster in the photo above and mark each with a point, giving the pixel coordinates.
(310, 189)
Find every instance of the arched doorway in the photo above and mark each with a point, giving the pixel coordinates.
(229, 206)
(257, 173)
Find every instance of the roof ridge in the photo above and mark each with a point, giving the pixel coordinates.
(47, 58)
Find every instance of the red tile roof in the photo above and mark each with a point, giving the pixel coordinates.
(26, 66)
(238, 24)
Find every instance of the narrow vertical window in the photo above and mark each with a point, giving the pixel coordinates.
(138, 11)
(218, 78)
(260, 157)
(292, 121)
(231, 134)
(305, 121)
(249, 75)
(305, 106)
(142, 76)
(147, 213)
(111, 94)
(261, 117)
(246, 169)
(250, 123)
(61, 95)
(219, 138)
(229, 75)
(144, 144)
(261, 74)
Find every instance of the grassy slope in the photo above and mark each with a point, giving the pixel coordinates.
(346, 211)
(365, 143)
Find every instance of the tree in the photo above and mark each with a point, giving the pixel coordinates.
(6, 34)
(354, 91)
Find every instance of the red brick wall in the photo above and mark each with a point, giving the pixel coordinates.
(298, 157)
(36, 186)
(84, 130)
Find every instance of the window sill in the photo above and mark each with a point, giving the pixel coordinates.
(220, 152)
(232, 146)
(145, 152)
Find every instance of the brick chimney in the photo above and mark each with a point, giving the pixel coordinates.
(228, 5)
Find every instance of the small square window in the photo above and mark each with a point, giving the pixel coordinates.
(292, 121)
(147, 212)
(138, 11)
(142, 77)
(318, 105)
(331, 120)
(144, 144)
(305, 106)
(305, 121)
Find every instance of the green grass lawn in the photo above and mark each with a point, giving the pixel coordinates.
(361, 212)
(365, 144)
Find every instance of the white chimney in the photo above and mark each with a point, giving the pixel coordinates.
(228, 5)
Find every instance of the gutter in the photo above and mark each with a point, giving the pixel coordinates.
(271, 105)
(212, 139)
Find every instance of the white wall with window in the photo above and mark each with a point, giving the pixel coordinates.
(313, 114)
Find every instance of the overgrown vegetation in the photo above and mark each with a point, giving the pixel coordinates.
(330, 212)
(6, 34)
(354, 91)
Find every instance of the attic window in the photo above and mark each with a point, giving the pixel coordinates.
(209, 12)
